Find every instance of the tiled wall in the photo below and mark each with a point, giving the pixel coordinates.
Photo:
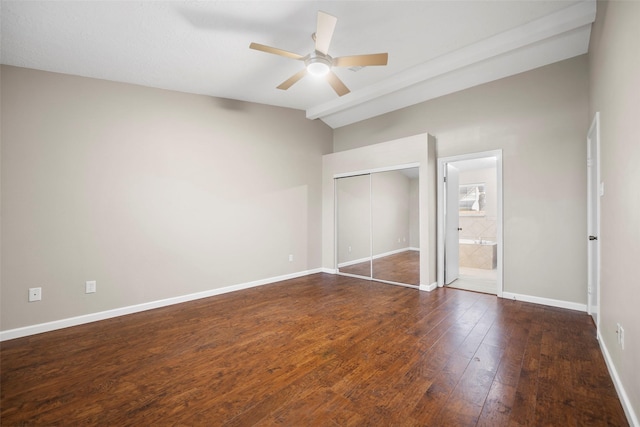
(477, 227)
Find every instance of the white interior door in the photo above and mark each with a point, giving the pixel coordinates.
(594, 191)
(452, 221)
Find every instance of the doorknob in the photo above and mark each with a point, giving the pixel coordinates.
(593, 238)
(459, 228)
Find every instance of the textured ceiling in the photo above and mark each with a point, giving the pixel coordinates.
(435, 47)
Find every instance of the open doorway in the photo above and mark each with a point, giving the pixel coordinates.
(470, 222)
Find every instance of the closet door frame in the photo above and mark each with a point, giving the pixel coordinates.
(368, 172)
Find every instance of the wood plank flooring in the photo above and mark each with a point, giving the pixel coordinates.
(403, 267)
(320, 350)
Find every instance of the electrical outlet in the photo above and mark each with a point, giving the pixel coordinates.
(35, 294)
(290, 257)
(90, 287)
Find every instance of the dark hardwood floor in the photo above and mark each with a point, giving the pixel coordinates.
(320, 350)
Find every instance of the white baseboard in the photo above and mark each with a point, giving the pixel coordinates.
(622, 394)
(428, 288)
(102, 315)
(328, 270)
(545, 301)
(382, 255)
(396, 251)
(352, 262)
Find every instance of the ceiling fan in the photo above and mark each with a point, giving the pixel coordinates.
(319, 62)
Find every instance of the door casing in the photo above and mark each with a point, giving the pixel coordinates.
(594, 192)
(442, 164)
(451, 224)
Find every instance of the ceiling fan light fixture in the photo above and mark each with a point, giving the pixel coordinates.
(318, 66)
(318, 63)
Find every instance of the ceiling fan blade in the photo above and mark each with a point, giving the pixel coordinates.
(293, 79)
(361, 60)
(275, 51)
(337, 84)
(324, 31)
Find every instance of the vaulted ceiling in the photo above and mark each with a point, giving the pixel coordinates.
(435, 47)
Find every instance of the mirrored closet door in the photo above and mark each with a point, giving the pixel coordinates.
(395, 226)
(354, 225)
(379, 213)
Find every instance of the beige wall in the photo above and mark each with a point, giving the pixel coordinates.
(614, 61)
(539, 119)
(152, 193)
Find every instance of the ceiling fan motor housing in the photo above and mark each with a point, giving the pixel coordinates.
(318, 64)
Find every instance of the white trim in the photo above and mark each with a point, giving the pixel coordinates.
(370, 226)
(393, 252)
(545, 301)
(102, 315)
(428, 288)
(356, 276)
(382, 255)
(335, 222)
(622, 394)
(328, 270)
(593, 221)
(376, 170)
(355, 261)
(442, 161)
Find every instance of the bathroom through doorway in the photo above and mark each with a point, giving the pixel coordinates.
(470, 222)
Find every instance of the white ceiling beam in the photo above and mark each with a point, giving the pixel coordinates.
(566, 21)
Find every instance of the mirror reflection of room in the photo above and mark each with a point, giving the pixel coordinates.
(396, 226)
(472, 199)
(354, 225)
(378, 226)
